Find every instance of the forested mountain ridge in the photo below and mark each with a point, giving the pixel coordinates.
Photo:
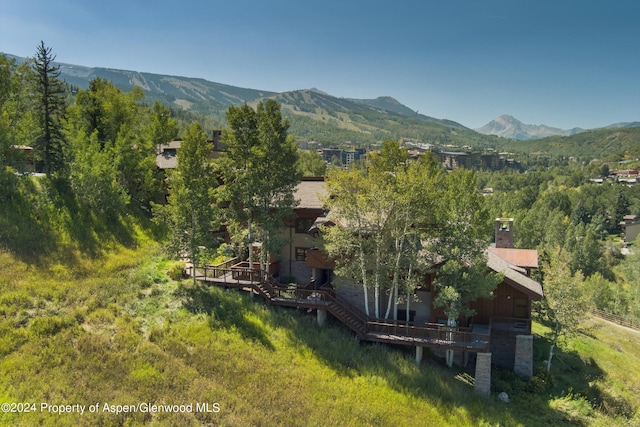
(314, 115)
(604, 144)
(318, 116)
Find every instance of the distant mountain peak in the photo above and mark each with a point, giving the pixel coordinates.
(508, 126)
(316, 90)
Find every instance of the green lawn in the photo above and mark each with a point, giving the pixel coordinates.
(114, 329)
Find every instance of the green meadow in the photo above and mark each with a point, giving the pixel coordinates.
(114, 329)
(90, 320)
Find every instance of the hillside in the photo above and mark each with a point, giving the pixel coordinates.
(90, 314)
(604, 144)
(314, 115)
(318, 116)
(117, 331)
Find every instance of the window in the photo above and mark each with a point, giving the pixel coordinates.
(301, 254)
(303, 225)
(521, 308)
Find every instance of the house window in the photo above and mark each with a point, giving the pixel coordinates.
(303, 225)
(301, 254)
(521, 308)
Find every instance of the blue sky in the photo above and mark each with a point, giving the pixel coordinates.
(563, 63)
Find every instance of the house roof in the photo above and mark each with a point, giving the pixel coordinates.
(167, 160)
(171, 145)
(527, 258)
(310, 194)
(513, 276)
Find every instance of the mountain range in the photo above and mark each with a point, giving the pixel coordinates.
(314, 114)
(509, 127)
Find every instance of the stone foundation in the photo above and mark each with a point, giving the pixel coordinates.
(523, 363)
(482, 383)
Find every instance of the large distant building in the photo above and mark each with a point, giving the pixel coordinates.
(473, 160)
(346, 157)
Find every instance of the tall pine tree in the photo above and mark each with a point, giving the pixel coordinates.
(49, 144)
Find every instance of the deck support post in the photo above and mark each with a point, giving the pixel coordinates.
(449, 358)
(482, 384)
(321, 316)
(418, 355)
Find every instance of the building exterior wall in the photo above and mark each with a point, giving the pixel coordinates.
(293, 265)
(504, 300)
(631, 232)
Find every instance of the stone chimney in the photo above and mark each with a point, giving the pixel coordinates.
(504, 232)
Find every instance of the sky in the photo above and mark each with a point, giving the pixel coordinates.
(563, 63)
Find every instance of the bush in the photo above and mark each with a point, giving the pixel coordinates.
(176, 271)
(540, 381)
(47, 326)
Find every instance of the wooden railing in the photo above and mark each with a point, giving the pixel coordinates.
(623, 321)
(510, 325)
(345, 304)
(325, 298)
(434, 334)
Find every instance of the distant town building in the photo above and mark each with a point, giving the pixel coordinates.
(167, 154)
(630, 227)
(474, 160)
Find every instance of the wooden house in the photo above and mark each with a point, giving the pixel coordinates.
(504, 316)
(297, 257)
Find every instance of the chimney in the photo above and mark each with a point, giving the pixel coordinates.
(504, 232)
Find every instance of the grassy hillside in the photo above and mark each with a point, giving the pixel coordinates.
(115, 329)
(90, 316)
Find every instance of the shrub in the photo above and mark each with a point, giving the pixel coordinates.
(46, 326)
(176, 271)
(540, 381)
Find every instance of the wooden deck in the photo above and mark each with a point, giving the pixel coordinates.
(366, 329)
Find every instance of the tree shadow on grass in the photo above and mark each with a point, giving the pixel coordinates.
(25, 230)
(89, 229)
(336, 346)
(227, 310)
(42, 222)
(579, 377)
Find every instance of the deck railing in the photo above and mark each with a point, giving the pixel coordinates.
(510, 325)
(325, 298)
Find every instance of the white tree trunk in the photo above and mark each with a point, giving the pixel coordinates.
(363, 270)
(553, 345)
(376, 284)
(449, 353)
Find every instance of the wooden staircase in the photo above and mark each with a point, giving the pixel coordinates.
(325, 298)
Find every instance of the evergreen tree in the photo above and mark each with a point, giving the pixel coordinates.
(49, 145)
